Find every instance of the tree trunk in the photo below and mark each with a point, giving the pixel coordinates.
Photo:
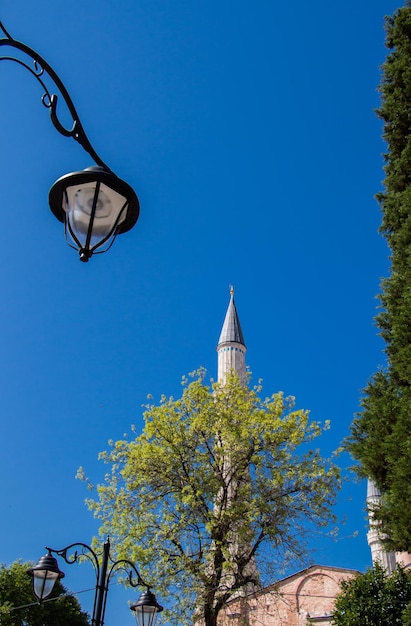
(210, 616)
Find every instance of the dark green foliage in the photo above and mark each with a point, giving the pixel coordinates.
(381, 434)
(16, 591)
(374, 599)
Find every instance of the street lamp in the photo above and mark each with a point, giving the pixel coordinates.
(47, 571)
(94, 204)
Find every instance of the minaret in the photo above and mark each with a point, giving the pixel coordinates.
(388, 560)
(374, 537)
(231, 351)
(231, 347)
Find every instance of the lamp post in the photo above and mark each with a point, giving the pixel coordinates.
(47, 571)
(94, 204)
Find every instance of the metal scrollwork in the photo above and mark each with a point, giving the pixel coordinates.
(133, 575)
(40, 70)
(76, 556)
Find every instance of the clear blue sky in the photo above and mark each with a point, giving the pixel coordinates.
(247, 130)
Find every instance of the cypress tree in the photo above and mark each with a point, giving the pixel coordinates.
(381, 434)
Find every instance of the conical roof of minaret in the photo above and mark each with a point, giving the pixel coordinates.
(231, 331)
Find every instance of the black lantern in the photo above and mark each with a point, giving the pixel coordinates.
(146, 609)
(44, 575)
(95, 206)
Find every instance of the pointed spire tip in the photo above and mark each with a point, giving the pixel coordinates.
(231, 331)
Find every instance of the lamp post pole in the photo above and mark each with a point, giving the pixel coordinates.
(94, 204)
(101, 589)
(47, 571)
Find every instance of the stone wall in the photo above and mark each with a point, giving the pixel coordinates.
(306, 597)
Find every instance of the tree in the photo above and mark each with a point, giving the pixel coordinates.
(215, 477)
(16, 591)
(374, 599)
(381, 435)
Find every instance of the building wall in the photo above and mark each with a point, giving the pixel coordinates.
(307, 597)
(403, 559)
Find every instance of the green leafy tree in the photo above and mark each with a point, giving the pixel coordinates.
(381, 435)
(16, 591)
(216, 476)
(374, 599)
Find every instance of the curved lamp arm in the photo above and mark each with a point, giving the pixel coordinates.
(50, 100)
(131, 571)
(74, 557)
(133, 576)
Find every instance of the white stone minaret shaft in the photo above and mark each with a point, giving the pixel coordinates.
(375, 539)
(374, 536)
(231, 347)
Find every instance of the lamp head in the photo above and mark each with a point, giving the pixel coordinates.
(146, 609)
(44, 575)
(95, 206)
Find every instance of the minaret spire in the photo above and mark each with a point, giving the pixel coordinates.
(231, 347)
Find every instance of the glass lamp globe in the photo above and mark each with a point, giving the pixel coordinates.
(146, 609)
(95, 206)
(44, 576)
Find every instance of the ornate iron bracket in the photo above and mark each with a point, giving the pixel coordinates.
(40, 69)
(88, 553)
(103, 573)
